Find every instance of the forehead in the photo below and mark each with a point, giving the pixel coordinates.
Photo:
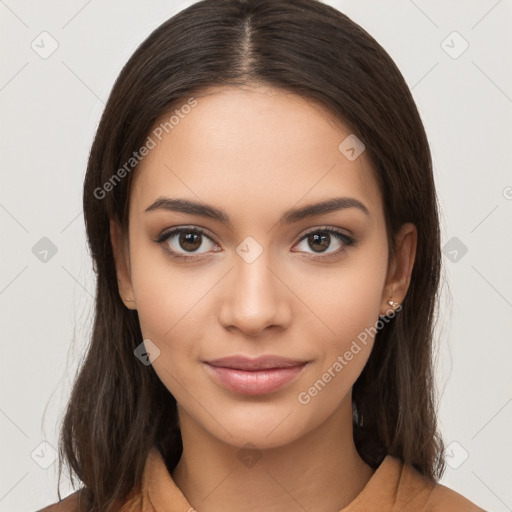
(256, 148)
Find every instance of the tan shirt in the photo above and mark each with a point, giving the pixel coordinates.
(393, 487)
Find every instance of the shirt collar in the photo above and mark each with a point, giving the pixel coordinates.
(161, 494)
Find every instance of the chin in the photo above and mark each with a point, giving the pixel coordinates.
(264, 426)
(251, 435)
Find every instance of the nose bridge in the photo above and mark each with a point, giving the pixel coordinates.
(255, 278)
(254, 298)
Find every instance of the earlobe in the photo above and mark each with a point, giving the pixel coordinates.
(121, 259)
(400, 269)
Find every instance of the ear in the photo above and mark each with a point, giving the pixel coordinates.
(122, 263)
(400, 267)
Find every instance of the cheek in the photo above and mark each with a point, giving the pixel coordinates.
(347, 299)
(347, 302)
(168, 297)
(173, 304)
(364, 283)
(358, 306)
(171, 315)
(343, 350)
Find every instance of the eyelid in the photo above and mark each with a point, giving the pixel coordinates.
(326, 229)
(177, 229)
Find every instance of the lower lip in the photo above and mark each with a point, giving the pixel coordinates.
(254, 382)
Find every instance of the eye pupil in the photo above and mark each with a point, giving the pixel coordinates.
(324, 239)
(190, 238)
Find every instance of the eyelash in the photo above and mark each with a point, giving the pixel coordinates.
(339, 235)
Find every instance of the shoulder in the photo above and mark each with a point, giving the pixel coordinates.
(422, 494)
(444, 498)
(71, 503)
(396, 487)
(68, 504)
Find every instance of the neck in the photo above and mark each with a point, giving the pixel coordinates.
(320, 471)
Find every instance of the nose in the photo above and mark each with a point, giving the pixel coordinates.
(254, 297)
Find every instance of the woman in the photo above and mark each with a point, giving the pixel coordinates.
(262, 216)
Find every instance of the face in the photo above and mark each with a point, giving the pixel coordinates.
(248, 277)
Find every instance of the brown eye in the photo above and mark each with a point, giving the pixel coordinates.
(190, 241)
(178, 242)
(320, 240)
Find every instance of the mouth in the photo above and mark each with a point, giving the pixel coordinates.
(254, 376)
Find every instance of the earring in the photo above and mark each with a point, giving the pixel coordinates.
(393, 304)
(130, 300)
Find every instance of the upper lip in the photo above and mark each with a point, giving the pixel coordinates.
(259, 363)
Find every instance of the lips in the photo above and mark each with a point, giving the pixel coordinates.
(259, 363)
(254, 376)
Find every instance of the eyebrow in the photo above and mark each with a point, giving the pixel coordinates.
(288, 217)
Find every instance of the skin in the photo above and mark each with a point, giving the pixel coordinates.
(255, 152)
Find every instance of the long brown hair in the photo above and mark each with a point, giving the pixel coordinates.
(119, 408)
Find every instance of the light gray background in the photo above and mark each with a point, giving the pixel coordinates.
(50, 110)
